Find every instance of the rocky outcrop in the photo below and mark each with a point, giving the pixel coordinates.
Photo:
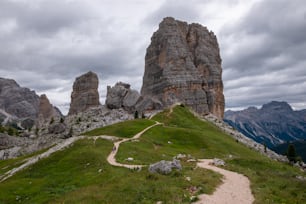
(183, 65)
(165, 167)
(85, 93)
(23, 106)
(46, 109)
(18, 101)
(121, 96)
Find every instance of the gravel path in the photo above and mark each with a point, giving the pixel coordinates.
(234, 189)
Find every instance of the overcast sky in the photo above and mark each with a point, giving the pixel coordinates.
(46, 44)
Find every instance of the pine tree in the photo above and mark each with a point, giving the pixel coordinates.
(291, 153)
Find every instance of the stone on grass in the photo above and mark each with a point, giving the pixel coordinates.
(218, 162)
(165, 167)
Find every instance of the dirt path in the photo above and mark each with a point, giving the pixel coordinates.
(234, 189)
(111, 157)
(58, 147)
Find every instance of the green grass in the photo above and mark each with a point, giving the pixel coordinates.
(122, 129)
(8, 164)
(271, 181)
(71, 175)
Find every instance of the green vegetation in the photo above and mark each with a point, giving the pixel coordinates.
(123, 129)
(11, 129)
(271, 181)
(81, 174)
(6, 165)
(291, 153)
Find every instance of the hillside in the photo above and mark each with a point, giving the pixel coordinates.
(81, 174)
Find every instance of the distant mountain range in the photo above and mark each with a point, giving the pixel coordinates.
(275, 124)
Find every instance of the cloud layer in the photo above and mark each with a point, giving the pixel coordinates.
(47, 43)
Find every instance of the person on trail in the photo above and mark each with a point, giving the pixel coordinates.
(114, 148)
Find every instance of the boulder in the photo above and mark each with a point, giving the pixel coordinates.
(18, 101)
(57, 128)
(165, 167)
(122, 96)
(218, 162)
(85, 93)
(183, 65)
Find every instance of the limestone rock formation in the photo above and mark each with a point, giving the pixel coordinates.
(183, 64)
(46, 109)
(122, 96)
(85, 93)
(17, 101)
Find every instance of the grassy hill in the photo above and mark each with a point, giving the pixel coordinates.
(81, 174)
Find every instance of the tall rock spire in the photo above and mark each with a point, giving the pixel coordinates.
(85, 93)
(183, 64)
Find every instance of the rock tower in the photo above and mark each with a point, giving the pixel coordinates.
(183, 65)
(85, 93)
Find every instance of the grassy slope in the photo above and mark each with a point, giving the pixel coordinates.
(272, 182)
(122, 129)
(72, 176)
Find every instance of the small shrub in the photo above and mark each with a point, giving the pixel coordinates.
(151, 176)
(136, 114)
(62, 120)
(52, 121)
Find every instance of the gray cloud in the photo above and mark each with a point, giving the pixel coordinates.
(264, 54)
(47, 43)
(174, 8)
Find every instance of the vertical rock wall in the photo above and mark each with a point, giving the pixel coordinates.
(183, 64)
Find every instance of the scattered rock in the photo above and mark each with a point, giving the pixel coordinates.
(218, 162)
(165, 167)
(85, 93)
(129, 159)
(188, 178)
(180, 156)
(122, 96)
(57, 128)
(301, 178)
(183, 65)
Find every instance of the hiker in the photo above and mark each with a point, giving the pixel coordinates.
(114, 148)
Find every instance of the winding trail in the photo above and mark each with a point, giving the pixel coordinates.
(111, 157)
(234, 189)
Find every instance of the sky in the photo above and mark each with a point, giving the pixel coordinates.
(46, 44)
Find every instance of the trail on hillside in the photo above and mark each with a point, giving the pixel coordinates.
(234, 189)
(111, 157)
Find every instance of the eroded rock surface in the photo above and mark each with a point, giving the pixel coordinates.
(122, 96)
(17, 101)
(183, 65)
(85, 93)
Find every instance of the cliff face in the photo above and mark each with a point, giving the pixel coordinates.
(85, 93)
(18, 101)
(183, 64)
